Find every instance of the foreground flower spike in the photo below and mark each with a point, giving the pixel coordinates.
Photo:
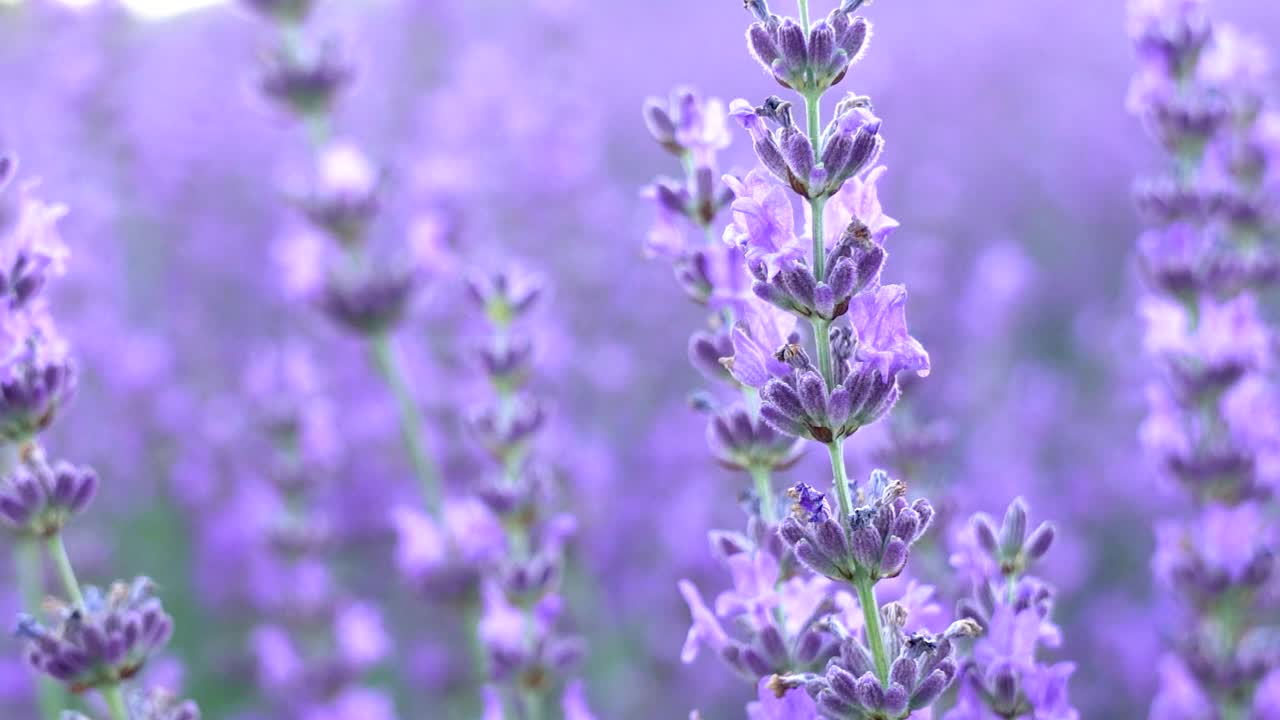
(529, 656)
(1005, 677)
(823, 392)
(365, 283)
(1207, 255)
(94, 639)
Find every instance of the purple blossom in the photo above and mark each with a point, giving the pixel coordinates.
(763, 222)
(879, 320)
(757, 338)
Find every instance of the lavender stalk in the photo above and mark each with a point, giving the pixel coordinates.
(868, 662)
(529, 657)
(1207, 257)
(364, 293)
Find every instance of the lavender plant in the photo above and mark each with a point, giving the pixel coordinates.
(367, 287)
(91, 638)
(1004, 678)
(1210, 431)
(529, 656)
(794, 642)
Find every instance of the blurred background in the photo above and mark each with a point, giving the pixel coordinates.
(515, 126)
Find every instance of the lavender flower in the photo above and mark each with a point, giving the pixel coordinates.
(102, 642)
(778, 614)
(1005, 677)
(41, 500)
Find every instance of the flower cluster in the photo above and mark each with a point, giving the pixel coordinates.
(530, 658)
(801, 636)
(97, 639)
(1004, 678)
(1211, 430)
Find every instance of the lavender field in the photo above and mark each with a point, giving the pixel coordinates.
(705, 359)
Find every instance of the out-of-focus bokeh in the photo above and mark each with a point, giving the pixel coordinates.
(510, 134)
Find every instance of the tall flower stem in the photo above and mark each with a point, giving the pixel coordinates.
(804, 15)
(61, 561)
(388, 364)
(30, 577)
(871, 616)
(840, 479)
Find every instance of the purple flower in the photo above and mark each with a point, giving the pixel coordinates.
(757, 338)
(689, 124)
(31, 250)
(706, 628)
(879, 319)
(763, 222)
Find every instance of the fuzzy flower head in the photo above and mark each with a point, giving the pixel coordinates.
(106, 641)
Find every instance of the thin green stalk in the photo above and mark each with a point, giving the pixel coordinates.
(411, 425)
(763, 480)
(804, 15)
(29, 568)
(871, 615)
(822, 340)
(840, 478)
(819, 242)
(58, 552)
(115, 702)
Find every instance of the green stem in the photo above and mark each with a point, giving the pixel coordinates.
(115, 702)
(822, 340)
(819, 242)
(840, 480)
(871, 615)
(58, 551)
(804, 15)
(763, 479)
(29, 568)
(411, 425)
